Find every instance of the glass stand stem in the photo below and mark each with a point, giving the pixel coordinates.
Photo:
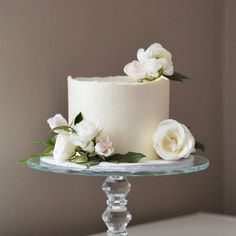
(116, 216)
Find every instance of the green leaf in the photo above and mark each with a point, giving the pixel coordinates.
(176, 77)
(199, 146)
(49, 142)
(92, 161)
(80, 159)
(78, 118)
(78, 149)
(48, 151)
(36, 142)
(130, 157)
(29, 157)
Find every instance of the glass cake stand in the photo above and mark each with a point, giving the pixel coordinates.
(117, 187)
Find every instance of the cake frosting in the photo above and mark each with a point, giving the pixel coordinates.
(127, 111)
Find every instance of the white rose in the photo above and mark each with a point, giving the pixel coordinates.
(86, 131)
(136, 70)
(57, 120)
(64, 148)
(153, 66)
(142, 56)
(158, 52)
(173, 140)
(104, 146)
(86, 146)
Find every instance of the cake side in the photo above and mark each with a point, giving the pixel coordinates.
(128, 112)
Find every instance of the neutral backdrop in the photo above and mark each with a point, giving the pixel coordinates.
(44, 41)
(229, 107)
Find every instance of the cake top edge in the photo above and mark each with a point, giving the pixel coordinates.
(118, 79)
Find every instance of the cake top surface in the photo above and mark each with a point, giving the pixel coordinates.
(106, 79)
(119, 79)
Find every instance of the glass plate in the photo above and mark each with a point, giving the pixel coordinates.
(199, 163)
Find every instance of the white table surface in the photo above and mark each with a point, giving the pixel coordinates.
(199, 224)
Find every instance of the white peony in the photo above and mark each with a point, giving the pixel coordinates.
(64, 148)
(173, 140)
(136, 70)
(56, 121)
(104, 146)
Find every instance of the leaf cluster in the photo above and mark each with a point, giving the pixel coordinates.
(130, 157)
(48, 149)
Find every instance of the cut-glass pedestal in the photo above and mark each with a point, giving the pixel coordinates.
(116, 187)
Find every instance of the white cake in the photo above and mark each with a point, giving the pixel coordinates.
(128, 111)
(122, 122)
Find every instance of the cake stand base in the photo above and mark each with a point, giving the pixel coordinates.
(116, 216)
(116, 186)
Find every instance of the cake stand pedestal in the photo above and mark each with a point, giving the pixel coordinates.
(117, 187)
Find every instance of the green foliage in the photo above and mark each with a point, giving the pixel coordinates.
(24, 161)
(199, 146)
(92, 161)
(80, 159)
(177, 77)
(130, 157)
(78, 118)
(48, 150)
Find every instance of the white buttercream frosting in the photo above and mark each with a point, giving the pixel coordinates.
(127, 111)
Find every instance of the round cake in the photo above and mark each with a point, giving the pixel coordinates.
(127, 111)
(122, 120)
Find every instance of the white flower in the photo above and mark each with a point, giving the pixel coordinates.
(86, 131)
(153, 66)
(56, 121)
(158, 52)
(89, 147)
(104, 146)
(154, 51)
(173, 140)
(136, 70)
(142, 56)
(64, 148)
(86, 146)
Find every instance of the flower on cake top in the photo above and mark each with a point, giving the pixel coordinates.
(151, 64)
(173, 140)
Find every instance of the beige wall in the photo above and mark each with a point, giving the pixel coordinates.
(41, 42)
(229, 103)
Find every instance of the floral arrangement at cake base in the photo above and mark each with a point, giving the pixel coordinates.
(80, 142)
(83, 143)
